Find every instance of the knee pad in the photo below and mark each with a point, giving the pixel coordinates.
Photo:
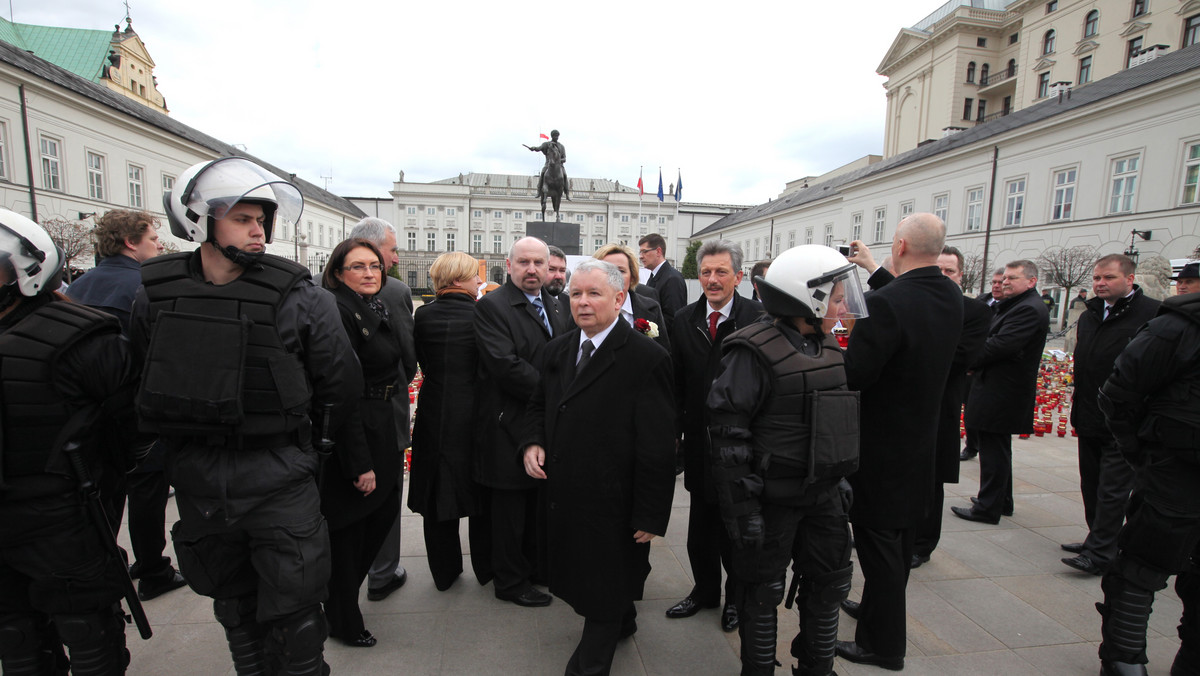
(300, 635)
(232, 613)
(19, 635)
(1128, 572)
(765, 594)
(96, 642)
(829, 588)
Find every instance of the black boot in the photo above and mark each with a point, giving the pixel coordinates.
(819, 622)
(24, 649)
(246, 637)
(1187, 662)
(1126, 615)
(297, 644)
(759, 618)
(96, 642)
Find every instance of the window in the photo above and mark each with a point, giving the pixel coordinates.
(981, 113)
(412, 278)
(662, 220)
(642, 219)
(791, 238)
(757, 249)
(808, 235)
(1012, 39)
(983, 74)
(1191, 174)
(598, 242)
(1048, 42)
(1043, 87)
(168, 182)
(497, 214)
(1012, 68)
(95, 172)
(451, 211)
(431, 242)
(624, 218)
(1014, 203)
(778, 238)
(1091, 24)
(518, 215)
(971, 72)
(1124, 184)
(412, 211)
(981, 42)
(478, 213)
(135, 186)
(1135, 46)
(856, 226)
(880, 223)
(497, 244)
(941, 207)
(51, 169)
(599, 218)
(974, 209)
(431, 211)
(579, 217)
(967, 108)
(1140, 7)
(450, 241)
(477, 243)
(906, 209)
(1191, 30)
(1051, 6)
(3, 149)
(1085, 70)
(829, 234)
(321, 234)
(1064, 195)
(412, 241)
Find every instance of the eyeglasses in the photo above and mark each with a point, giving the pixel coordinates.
(644, 251)
(359, 268)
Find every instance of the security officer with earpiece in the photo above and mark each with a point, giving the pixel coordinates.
(66, 377)
(784, 434)
(241, 350)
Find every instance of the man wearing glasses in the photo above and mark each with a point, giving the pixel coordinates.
(665, 279)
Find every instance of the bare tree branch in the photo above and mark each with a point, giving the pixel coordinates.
(972, 272)
(1068, 268)
(73, 237)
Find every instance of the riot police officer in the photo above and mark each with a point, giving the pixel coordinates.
(784, 433)
(241, 347)
(64, 367)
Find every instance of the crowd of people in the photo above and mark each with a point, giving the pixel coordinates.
(276, 407)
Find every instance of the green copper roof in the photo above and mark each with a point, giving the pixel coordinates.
(83, 52)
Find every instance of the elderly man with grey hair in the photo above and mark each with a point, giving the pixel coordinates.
(386, 574)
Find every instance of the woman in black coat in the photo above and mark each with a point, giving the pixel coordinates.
(440, 485)
(360, 488)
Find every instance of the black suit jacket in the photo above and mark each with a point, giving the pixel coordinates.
(645, 308)
(697, 359)
(397, 298)
(610, 465)
(1098, 343)
(510, 338)
(977, 317)
(898, 358)
(1004, 388)
(672, 291)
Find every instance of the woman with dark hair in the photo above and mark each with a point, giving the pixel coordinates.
(439, 485)
(360, 489)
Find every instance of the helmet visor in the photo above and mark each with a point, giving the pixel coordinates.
(226, 182)
(845, 299)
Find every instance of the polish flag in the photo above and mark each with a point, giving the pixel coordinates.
(641, 191)
(544, 136)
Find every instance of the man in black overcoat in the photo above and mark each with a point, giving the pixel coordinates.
(512, 326)
(1105, 327)
(988, 298)
(594, 432)
(898, 358)
(1004, 389)
(696, 336)
(664, 278)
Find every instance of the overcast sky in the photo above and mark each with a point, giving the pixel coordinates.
(740, 97)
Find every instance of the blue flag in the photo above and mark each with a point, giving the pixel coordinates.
(679, 188)
(660, 192)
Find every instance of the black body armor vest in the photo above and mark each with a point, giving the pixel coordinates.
(216, 366)
(34, 411)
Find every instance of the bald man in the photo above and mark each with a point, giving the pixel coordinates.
(898, 359)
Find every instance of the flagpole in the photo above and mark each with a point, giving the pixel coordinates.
(658, 207)
(641, 191)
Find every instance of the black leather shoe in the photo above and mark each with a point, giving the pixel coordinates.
(849, 650)
(386, 590)
(729, 618)
(154, 587)
(974, 515)
(917, 560)
(1073, 547)
(967, 454)
(1084, 563)
(851, 608)
(1008, 511)
(1121, 669)
(530, 598)
(686, 608)
(363, 640)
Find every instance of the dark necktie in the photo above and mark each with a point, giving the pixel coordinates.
(585, 356)
(712, 325)
(537, 303)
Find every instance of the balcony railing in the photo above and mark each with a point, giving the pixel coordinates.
(988, 118)
(994, 78)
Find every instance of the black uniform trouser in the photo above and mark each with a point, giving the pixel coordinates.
(995, 473)
(443, 549)
(1161, 537)
(929, 531)
(147, 494)
(1105, 480)
(514, 539)
(884, 555)
(709, 550)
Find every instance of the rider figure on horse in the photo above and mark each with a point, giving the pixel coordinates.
(554, 152)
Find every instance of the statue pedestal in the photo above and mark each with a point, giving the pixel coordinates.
(556, 233)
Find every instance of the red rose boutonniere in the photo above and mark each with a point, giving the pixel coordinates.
(646, 328)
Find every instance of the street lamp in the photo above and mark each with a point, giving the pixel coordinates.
(1132, 251)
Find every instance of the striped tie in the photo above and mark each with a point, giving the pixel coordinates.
(537, 303)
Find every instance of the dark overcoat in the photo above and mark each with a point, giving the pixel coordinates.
(439, 482)
(397, 298)
(977, 317)
(898, 358)
(510, 338)
(672, 290)
(368, 442)
(610, 466)
(646, 308)
(1098, 342)
(1004, 387)
(697, 359)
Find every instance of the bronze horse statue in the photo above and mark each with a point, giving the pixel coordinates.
(553, 181)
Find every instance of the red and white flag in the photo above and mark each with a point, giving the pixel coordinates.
(641, 190)
(540, 135)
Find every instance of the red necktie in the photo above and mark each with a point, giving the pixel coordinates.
(712, 325)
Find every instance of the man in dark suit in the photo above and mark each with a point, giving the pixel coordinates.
(988, 298)
(512, 326)
(976, 319)
(898, 358)
(666, 280)
(1005, 388)
(1107, 323)
(387, 574)
(696, 335)
(636, 305)
(607, 460)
